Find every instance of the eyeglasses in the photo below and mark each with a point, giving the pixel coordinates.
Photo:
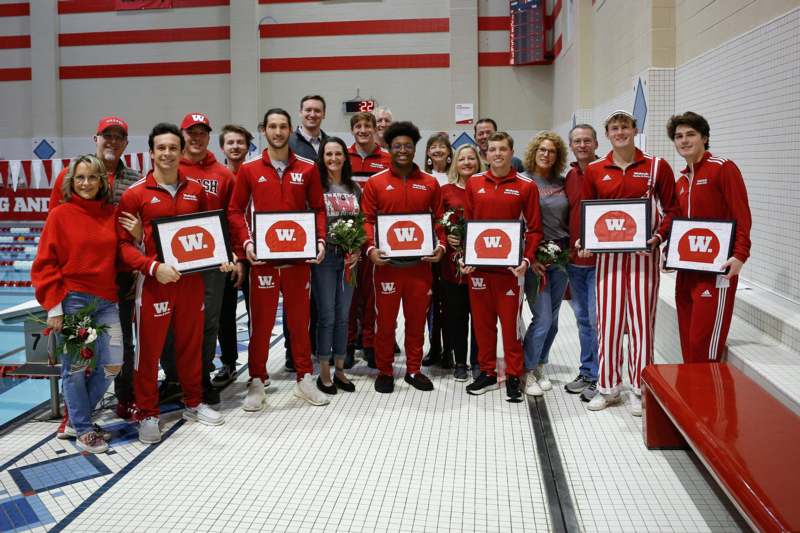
(545, 151)
(402, 147)
(93, 178)
(114, 137)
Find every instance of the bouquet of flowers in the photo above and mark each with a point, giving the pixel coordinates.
(550, 254)
(348, 233)
(79, 337)
(453, 223)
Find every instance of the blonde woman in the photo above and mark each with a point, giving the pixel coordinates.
(545, 159)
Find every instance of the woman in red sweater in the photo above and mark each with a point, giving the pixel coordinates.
(76, 265)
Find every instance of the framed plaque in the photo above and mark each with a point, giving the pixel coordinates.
(615, 225)
(194, 242)
(700, 244)
(496, 243)
(285, 235)
(405, 234)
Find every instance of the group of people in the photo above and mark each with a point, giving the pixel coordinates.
(98, 245)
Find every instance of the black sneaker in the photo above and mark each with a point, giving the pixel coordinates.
(513, 394)
(224, 376)
(461, 373)
(577, 385)
(210, 395)
(346, 386)
(447, 361)
(369, 357)
(419, 381)
(169, 391)
(589, 392)
(327, 389)
(484, 383)
(384, 384)
(432, 358)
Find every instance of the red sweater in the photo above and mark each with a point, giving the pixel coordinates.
(364, 167)
(453, 197)
(150, 200)
(214, 177)
(605, 180)
(573, 186)
(507, 198)
(386, 193)
(299, 189)
(77, 252)
(717, 192)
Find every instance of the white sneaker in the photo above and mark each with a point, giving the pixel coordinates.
(543, 381)
(204, 414)
(256, 399)
(149, 432)
(636, 404)
(601, 401)
(532, 387)
(307, 390)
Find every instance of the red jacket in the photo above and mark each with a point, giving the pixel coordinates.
(364, 167)
(453, 198)
(300, 189)
(507, 198)
(717, 192)
(150, 200)
(387, 193)
(214, 177)
(605, 180)
(573, 186)
(77, 252)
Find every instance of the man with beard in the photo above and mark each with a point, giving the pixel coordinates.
(110, 141)
(278, 181)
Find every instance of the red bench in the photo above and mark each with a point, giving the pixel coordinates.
(748, 440)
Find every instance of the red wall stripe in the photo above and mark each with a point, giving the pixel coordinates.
(354, 27)
(15, 41)
(494, 59)
(494, 23)
(21, 9)
(294, 64)
(211, 33)
(138, 70)
(95, 6)
(15, 74)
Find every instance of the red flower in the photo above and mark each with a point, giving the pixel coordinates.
(47, 331)
(86, 353)
(454, 218)
(83, 333)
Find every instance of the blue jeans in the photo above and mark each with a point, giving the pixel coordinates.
(82, 392)
(332, 296)
(544, 307)
(584, 305)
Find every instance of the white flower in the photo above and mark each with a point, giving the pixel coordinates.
(350, 222)
(92, 336)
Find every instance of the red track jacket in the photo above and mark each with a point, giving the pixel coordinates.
(214, 177)
(573, 186)
(717, 191)
(364, 167)
(150, 200)
(300, 189)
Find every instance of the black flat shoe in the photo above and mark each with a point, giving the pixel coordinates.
(327, 389)
(346, 386)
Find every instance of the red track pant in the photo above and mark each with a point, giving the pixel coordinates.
(161, 306)
(362, 309)
(627, 295)
(266, 283)
(494, 295)
(704, 315)
(412, 285)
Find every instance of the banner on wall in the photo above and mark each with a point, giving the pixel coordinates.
(131, 5)
(24, 204)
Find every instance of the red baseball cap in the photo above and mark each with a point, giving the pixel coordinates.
(195, 118)
(107, 122)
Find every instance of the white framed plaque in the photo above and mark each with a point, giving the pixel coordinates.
(700, 244)
(615, 225)
(405, 234)
(194, 242)
(493, 243)
(285, 235)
